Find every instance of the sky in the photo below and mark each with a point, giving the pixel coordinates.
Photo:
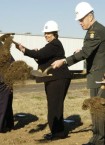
(29, 16)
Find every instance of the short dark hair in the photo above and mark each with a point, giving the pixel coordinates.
(55, 33)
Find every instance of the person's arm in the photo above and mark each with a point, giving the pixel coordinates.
(90, 44)
(59, 63)
(26, 50)
(47, 52)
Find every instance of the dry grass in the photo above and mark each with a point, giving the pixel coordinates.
(31, 128)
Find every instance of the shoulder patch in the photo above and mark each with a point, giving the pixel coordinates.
(92, 33)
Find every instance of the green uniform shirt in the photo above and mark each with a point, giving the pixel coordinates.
(93, 51)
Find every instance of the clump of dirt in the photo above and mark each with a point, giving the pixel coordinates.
(96, 106)
(11, 71)
(17, 71)
(5, 56)
(94, 103)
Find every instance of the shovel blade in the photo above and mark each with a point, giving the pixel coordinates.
(39, 74)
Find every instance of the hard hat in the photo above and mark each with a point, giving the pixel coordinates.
(82, 9)
(50, 26)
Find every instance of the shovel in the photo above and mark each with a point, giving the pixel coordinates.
(16, 44)
(39, 73)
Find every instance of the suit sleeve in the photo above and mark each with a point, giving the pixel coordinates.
(90, 44)
(44, 53)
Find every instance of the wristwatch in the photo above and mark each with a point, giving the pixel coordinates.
(64, 61)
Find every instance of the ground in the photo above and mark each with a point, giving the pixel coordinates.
(30, 115)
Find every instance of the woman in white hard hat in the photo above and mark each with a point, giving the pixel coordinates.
(93, 51)
(56, 86)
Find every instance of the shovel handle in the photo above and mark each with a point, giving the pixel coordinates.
(17, 44)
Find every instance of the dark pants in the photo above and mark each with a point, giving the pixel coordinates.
(98, 120)
(6, 112)
(56, 92)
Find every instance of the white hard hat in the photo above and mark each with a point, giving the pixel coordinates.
(50, 26)
(82, 9)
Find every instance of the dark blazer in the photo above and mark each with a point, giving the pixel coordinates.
(93, 51)
(46, 56)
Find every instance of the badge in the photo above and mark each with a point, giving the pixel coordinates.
(92, 34)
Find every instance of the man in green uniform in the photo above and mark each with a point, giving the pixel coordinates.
(93, 51)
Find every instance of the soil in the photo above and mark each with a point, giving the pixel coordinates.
(30, 116)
